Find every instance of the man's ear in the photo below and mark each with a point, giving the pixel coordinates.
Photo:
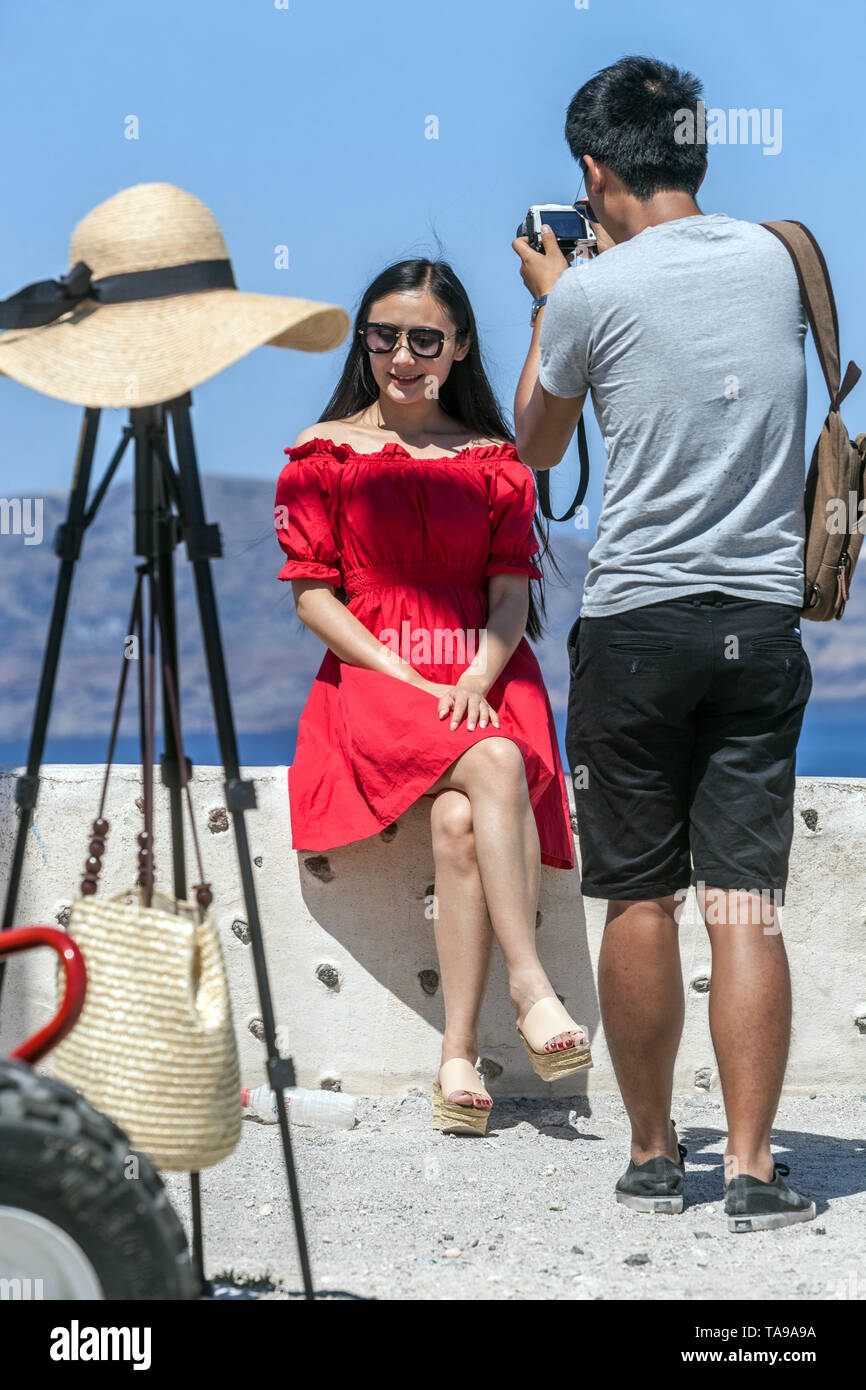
(703, 176)
(593, 174)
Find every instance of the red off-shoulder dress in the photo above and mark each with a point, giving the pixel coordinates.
(413, 542)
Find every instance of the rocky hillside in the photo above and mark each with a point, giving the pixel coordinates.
(271, 658)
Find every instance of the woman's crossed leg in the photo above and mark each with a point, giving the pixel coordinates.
(487, 857)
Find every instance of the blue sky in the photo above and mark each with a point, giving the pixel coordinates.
(305, 126)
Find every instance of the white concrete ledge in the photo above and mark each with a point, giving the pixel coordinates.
(350, 948)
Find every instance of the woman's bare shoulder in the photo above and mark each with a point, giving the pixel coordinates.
(312, 432)
(359, 435)
(337, 431)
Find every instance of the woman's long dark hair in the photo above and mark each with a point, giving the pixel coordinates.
(466, 394)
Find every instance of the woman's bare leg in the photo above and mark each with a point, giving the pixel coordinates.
(464, 938)
(493, 777)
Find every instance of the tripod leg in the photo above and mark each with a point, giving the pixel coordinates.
(156, 538)
(171, 779)
(198, 1234)
(67, 545)
(203, 544)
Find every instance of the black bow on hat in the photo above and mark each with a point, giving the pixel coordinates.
(47, 300)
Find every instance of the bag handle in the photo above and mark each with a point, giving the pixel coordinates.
(100, 826)
(75, 986)
(147, 720)
(816, 291)
(542, 480)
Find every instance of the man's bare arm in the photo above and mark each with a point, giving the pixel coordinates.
(543, 424)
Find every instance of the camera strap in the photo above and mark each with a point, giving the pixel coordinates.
(542, 479)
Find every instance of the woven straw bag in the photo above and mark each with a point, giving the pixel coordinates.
(154, 1048)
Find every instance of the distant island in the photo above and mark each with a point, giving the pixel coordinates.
(271, 658)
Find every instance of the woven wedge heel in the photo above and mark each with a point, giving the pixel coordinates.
(545, 1020)
(449, 1118)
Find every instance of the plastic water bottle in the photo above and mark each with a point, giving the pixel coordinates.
(328, 1108)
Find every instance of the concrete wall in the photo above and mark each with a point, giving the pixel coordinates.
(349, 937)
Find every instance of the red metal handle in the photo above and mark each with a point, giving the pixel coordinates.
(22, 939)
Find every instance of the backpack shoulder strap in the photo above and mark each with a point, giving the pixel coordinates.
(816, 291)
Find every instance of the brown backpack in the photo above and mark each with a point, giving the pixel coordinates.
(836, 481)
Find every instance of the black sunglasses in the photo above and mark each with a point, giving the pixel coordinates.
(422, 342)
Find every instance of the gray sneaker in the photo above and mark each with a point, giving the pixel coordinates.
(654, 1186)
(752, 1205)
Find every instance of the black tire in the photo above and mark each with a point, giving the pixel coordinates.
(66, 1162)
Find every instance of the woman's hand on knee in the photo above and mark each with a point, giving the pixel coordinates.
(463, 701)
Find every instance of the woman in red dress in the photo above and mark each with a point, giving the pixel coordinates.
(406, 518)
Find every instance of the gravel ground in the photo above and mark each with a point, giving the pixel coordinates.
(394, 1210)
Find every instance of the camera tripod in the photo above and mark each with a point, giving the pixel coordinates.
(168, 508)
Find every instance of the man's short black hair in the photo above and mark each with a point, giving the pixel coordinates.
(625, 117)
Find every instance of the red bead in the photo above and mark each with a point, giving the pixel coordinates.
(92, 867)
(203, 895)
(145, 856)
(88, 886)
(100, 827)
(144, 839)
(97, 847)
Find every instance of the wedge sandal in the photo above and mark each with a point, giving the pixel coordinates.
(450, 1118)
(545, 1020)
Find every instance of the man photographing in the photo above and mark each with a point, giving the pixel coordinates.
(688, 676)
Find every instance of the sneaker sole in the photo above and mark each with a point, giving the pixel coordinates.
(659, 1206)
(771, 1220)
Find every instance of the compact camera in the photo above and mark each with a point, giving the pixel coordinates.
(571, 224)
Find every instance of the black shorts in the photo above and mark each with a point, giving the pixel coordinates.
(683, 721)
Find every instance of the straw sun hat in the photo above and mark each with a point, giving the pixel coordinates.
(149, 308)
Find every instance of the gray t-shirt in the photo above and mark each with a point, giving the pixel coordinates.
(690, 337)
